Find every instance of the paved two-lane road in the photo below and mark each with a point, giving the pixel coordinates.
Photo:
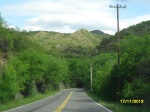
(71, 100)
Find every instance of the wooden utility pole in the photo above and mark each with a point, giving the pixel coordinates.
(118, 7)
(91, 75)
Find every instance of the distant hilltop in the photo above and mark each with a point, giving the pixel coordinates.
(97, 32)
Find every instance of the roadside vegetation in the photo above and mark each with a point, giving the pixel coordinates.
(37, 62)
(116, 106)
(25, 67)
(15, 103)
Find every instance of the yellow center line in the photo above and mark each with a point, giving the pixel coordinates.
(64, 103)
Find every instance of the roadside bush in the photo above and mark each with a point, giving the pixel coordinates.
(135, 68)
(103, 81)
(8, 85)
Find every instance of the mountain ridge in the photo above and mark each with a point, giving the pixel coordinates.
(82, 37)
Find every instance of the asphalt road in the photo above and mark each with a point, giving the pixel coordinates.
(71, 100)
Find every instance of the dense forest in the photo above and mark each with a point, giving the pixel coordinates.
(37, 61)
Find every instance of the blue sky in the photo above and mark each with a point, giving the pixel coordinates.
(70, 15)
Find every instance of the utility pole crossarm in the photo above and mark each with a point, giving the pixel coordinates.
(118, 6)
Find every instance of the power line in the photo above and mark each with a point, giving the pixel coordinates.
(118, 7)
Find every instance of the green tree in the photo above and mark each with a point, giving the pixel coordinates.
(135, 67)
(102, 66)
(79, 72)
(56, 71)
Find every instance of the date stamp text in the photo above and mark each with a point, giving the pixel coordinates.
(133, 101)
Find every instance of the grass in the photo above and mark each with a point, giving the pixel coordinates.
(16, 103)
(118, 107)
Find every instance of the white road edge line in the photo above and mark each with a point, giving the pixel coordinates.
(35, 101)
(31, 103)
(98, 103)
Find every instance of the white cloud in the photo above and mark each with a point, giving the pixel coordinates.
(37, 7)
(34, 7)
(128, 22)
(69, 15)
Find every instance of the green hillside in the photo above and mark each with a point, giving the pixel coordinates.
(109, 44)
(139, 29)
(62, 41)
